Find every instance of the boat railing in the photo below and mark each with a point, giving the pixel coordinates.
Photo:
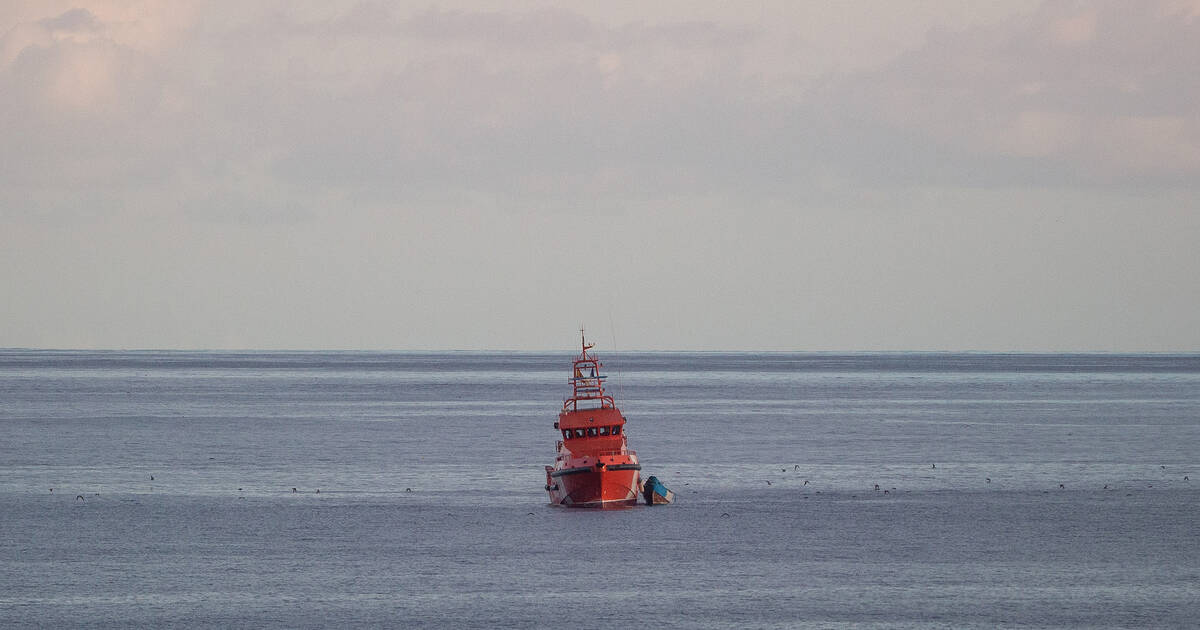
(620, 451)
(572, 404)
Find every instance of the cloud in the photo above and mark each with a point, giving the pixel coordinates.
(381, 104)
(1098, 93)
(80, 116)
(74, 20)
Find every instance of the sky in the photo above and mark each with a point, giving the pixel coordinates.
(801, 176)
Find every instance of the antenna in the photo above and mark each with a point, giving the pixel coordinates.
(583, 341)
(613, 330)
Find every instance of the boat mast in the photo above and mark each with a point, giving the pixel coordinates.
(587, 383)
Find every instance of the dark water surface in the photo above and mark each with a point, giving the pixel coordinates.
(1058, 498)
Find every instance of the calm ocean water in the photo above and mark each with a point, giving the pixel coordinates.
(1014, 491)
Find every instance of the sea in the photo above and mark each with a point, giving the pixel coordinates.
(151, 489)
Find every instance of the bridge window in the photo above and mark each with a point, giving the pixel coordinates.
(616, 430)
(591, 431)
(578, 432)
(603, 430)
(566, 434)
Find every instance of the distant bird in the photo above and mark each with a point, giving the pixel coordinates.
(1163, 467)
(989, 480)
(724, 514)
(408, 489)
(318, 491)
(885, 491)
(933, 465)
(1062, 486)
(79, 497)
(877, 487)
(51, 489)
(768, 481)
(151, 477)
(1185, 478)
(530, 514)
(806, 482)
(293, 491)
(1106, 486)
(239, 489)
(782, 470)
(796, 467)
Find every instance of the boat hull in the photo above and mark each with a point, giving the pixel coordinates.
(655, 493)
(592, 488)
(660, 498)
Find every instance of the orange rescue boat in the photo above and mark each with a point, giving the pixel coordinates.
(594, 466)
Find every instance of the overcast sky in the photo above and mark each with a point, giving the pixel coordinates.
(885, 175)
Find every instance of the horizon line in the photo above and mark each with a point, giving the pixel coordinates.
(614, 351)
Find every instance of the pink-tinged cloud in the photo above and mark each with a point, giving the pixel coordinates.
(385, 103)
(1102, 91)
